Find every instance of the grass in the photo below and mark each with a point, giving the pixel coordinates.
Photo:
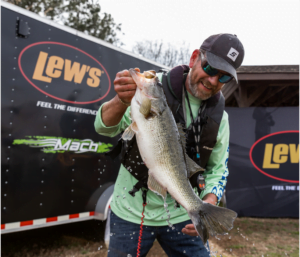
(236, 246)
(254, 238)
(260, 237)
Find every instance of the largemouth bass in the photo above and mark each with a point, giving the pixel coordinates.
(161, 143)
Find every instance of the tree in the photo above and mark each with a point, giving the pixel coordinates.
(168, 55)
(83, 15)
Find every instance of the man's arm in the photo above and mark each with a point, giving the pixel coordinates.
(217, 171)
(113, 111)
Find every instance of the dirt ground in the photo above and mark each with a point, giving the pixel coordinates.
(249, 237)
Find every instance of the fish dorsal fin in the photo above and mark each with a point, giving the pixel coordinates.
(192, 167)
(182, 136)
(154, 186)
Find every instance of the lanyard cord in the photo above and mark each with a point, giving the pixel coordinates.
(196, 129)
(144, 195)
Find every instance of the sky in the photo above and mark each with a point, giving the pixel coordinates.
(268, 29)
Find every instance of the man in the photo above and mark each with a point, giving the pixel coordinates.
(193, 94)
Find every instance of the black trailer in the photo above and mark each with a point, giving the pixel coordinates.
(54, 79)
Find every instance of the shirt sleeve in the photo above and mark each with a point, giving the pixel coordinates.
(113, 130)
(217, 170)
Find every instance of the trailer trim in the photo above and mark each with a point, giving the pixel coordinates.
(45, 222)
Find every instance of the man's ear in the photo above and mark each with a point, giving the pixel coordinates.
(194, 58)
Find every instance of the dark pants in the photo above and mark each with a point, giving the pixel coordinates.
(124, 237)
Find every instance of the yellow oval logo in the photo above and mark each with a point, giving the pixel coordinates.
(64, 72)
(277, 156)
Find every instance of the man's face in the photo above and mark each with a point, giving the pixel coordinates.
(202, 85)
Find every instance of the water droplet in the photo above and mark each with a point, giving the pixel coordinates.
(230, 250)
(131, 237)
(184, 251)
(230, 237)
(133, 233)
(173, 228)
(111, 234)
(129, 255)
(165, 205)
(124, 188)
(168, 230)
(152, 233)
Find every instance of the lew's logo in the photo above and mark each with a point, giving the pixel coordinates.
(277, 156)
(60, 144)
(64, 72)
(72, 71)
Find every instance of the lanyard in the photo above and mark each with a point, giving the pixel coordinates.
(195, 123)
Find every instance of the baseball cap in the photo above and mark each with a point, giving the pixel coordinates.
(224, 52)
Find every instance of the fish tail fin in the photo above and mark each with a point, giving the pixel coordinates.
(213, 220)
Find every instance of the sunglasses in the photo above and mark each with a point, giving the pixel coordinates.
(211, 71)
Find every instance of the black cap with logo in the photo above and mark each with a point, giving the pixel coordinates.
(224, 52)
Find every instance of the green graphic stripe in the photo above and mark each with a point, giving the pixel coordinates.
(48, 143)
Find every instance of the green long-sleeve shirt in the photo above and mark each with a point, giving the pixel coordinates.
(130, 208)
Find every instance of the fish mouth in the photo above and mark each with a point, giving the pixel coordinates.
(137, 77)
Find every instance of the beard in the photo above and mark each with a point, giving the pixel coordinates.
(196, 87)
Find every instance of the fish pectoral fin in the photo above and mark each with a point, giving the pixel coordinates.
(154, 186)
(192, 167)
(130, 131)
(145, 107)
(134, 127)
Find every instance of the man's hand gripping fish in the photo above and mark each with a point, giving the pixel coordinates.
(161, 144)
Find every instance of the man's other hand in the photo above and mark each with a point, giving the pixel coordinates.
(189, 229)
